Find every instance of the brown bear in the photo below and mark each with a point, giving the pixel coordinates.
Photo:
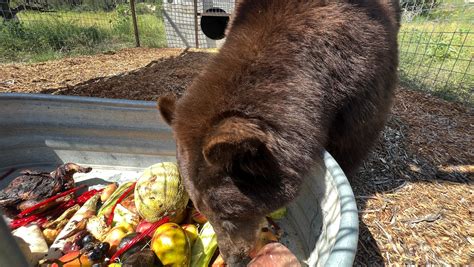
(293, 78)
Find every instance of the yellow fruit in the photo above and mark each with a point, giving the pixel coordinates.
(127, 227)
(159, 191)
(191, 231)
(171, 245)
(115, 235)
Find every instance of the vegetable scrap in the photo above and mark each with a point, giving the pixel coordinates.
(149, 221)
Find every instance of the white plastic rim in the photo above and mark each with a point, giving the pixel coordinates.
(344, 250)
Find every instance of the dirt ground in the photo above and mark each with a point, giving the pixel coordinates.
(415, 192)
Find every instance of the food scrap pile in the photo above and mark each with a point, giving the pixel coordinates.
(146, 222)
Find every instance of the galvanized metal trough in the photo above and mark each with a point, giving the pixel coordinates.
(119, 138)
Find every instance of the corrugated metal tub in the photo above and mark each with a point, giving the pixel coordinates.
(120, 137)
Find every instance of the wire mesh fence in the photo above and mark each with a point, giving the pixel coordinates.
(437, 47)
(436, 39)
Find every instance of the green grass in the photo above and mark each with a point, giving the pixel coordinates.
(436, 52)
(43, 36)
(151, 30)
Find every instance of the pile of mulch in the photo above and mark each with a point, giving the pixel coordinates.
(415, 191)
(130, 73)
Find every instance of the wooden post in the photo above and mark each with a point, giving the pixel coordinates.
(196, 26)
(135, 26)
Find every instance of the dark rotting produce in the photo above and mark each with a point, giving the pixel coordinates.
(32, 187)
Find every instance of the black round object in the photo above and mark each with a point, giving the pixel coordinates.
(213, 26)
(104, 247)
(87, 239)
(88, 246)
(95, 255)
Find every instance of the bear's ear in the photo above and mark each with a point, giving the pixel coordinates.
(235, 142)
(166, 106)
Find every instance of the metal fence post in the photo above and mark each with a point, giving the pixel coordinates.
(135, 26)
(196, 26)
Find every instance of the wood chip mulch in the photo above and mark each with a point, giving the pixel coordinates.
(415, 192)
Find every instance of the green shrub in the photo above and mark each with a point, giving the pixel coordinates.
(122, 24)
(19, 39)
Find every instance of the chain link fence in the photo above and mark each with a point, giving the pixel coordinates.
(436, 39)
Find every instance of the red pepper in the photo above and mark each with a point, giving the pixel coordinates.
(66, 205)
(87, 195)
(48, 200)
(41, 218)
(139, 237)
(124, 195)
(41, 221)
(24, 221)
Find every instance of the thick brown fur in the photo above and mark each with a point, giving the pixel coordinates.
(293, 78)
